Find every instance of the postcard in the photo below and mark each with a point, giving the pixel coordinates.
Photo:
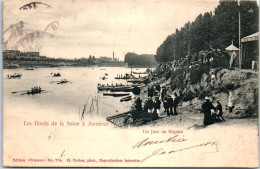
(132, 83)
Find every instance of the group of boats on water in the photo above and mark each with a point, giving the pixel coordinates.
(117, 90)
(125, 77)
(37, 89)
(123, 90)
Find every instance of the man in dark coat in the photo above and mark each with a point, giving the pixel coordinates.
(158, 88)
(138, 104)
(157, 104)
(170, 103)
(145, 109)
(206, 108)
(175, 103)
(150, 104)
(150, 91)
(166, 107)
(220, 112)
(164, 92)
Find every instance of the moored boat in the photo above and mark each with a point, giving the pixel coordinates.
(139, 80)
(125, 99)
(140, 73)
(125, 77)
(29, 69)
(102, 88)
(121, 89)
(115, 94)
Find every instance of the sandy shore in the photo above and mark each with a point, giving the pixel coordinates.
(188, 118)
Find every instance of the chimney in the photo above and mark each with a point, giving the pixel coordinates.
(113, 56)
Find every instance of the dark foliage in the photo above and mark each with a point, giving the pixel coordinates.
(228, 87)
(196, 74)
(189, 95)
(216, 30)
(140, 60)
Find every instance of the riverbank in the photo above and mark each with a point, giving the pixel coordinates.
(241, 84)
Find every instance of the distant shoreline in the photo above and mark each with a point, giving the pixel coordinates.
(58, 65)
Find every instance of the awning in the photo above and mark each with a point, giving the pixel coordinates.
(253, 37)
(231, 48)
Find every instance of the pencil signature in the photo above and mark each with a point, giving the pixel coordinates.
(161, 151)
(176, 138)
(147, 142)
(63, 153)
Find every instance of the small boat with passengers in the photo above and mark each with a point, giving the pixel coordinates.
(14, 76)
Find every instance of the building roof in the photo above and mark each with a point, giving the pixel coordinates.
(253, 37)
(231, 47)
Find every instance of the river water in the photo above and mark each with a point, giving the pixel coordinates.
(66, 98)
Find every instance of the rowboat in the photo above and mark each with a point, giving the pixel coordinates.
(134, 118)
(102, 88)
(140, 73)
(125, 99)
(34, 90)
(125, 77)
(122, 89)
(115, 94)
(16, 75)
(56, 75)
(63, 81)
(139, 80)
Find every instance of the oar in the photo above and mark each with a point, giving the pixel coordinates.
(54, 81)
(60, 82)
(42, 91)
(20, 91)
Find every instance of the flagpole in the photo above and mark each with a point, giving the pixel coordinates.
(239, 34)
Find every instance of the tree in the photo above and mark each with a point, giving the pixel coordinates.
(90, 58)
(140, 60)
(209, 30)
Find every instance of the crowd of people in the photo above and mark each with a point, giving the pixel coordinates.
(212, 58)
(158, 96)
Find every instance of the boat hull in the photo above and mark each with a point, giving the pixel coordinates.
(114, 94)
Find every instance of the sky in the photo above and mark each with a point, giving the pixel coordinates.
(99, 27)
